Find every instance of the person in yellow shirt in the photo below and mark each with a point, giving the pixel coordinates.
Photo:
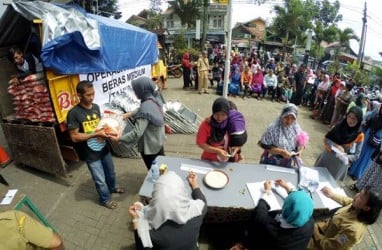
(348, 225)
(159, 74)
(203, 68)
(19, 231)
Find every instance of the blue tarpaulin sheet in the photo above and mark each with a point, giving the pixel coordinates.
(121, 45)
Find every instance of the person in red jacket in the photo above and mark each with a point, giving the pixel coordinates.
(186, 66)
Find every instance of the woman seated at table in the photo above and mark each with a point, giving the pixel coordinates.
(348, 225)
(342, 139)
(283, 139)
(291, 229)
(214, 133)
(172, 219)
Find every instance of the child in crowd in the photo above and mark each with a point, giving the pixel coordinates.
(216, 74)
(237, 131)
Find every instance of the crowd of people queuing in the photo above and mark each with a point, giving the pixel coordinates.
(252, 75)
(351, 146)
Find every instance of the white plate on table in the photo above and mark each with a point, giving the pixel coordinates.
(216, 179)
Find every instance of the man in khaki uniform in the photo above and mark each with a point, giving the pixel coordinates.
(18, 231)
(203, 68)
(348, 225)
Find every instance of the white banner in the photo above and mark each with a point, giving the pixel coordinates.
(111, 84)
(197, 30)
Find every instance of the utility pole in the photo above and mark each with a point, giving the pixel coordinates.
(228, 46)
(363, 38)
(307, 48)
(205, 23)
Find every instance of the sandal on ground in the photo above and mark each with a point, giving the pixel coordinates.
(119, 190)
(110, 204)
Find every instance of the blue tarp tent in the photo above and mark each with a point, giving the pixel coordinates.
(75, 42)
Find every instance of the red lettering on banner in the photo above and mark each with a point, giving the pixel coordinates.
(64, 100)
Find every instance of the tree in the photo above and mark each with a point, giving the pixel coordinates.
(325, 22)
(293, 19)
(155, 6)
(377, 76)
(328, 13)
(154, 20)
(323, 33)
(180, 41)
(344, 36)
(361, 77)
(187, 11)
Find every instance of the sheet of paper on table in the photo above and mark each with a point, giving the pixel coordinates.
(329, 203)
(309, 178)
(9, 197)
(256, 189)
(195, 169)
(280, 190)
(280, 169)
(340, 155)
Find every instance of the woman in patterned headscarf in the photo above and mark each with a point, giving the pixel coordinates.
(283, 139)
(322, 90)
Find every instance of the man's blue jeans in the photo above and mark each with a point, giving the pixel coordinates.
(103, 175)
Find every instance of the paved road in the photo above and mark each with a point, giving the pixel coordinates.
(71, 204)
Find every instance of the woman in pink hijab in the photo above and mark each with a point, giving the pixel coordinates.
(309, 86)
(322, 89)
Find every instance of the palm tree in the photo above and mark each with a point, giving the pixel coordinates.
(344, 37)
(292, 19)
(322, 33)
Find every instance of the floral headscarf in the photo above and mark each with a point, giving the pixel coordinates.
(324, 85)
(280, 136)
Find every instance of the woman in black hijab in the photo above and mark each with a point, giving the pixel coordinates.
(212, 135)
(338, 143)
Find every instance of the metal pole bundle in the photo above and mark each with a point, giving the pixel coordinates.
(181, 119)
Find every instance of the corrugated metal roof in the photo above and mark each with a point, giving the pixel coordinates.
(15, 29)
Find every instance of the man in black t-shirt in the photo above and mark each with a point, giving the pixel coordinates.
(90, 144)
